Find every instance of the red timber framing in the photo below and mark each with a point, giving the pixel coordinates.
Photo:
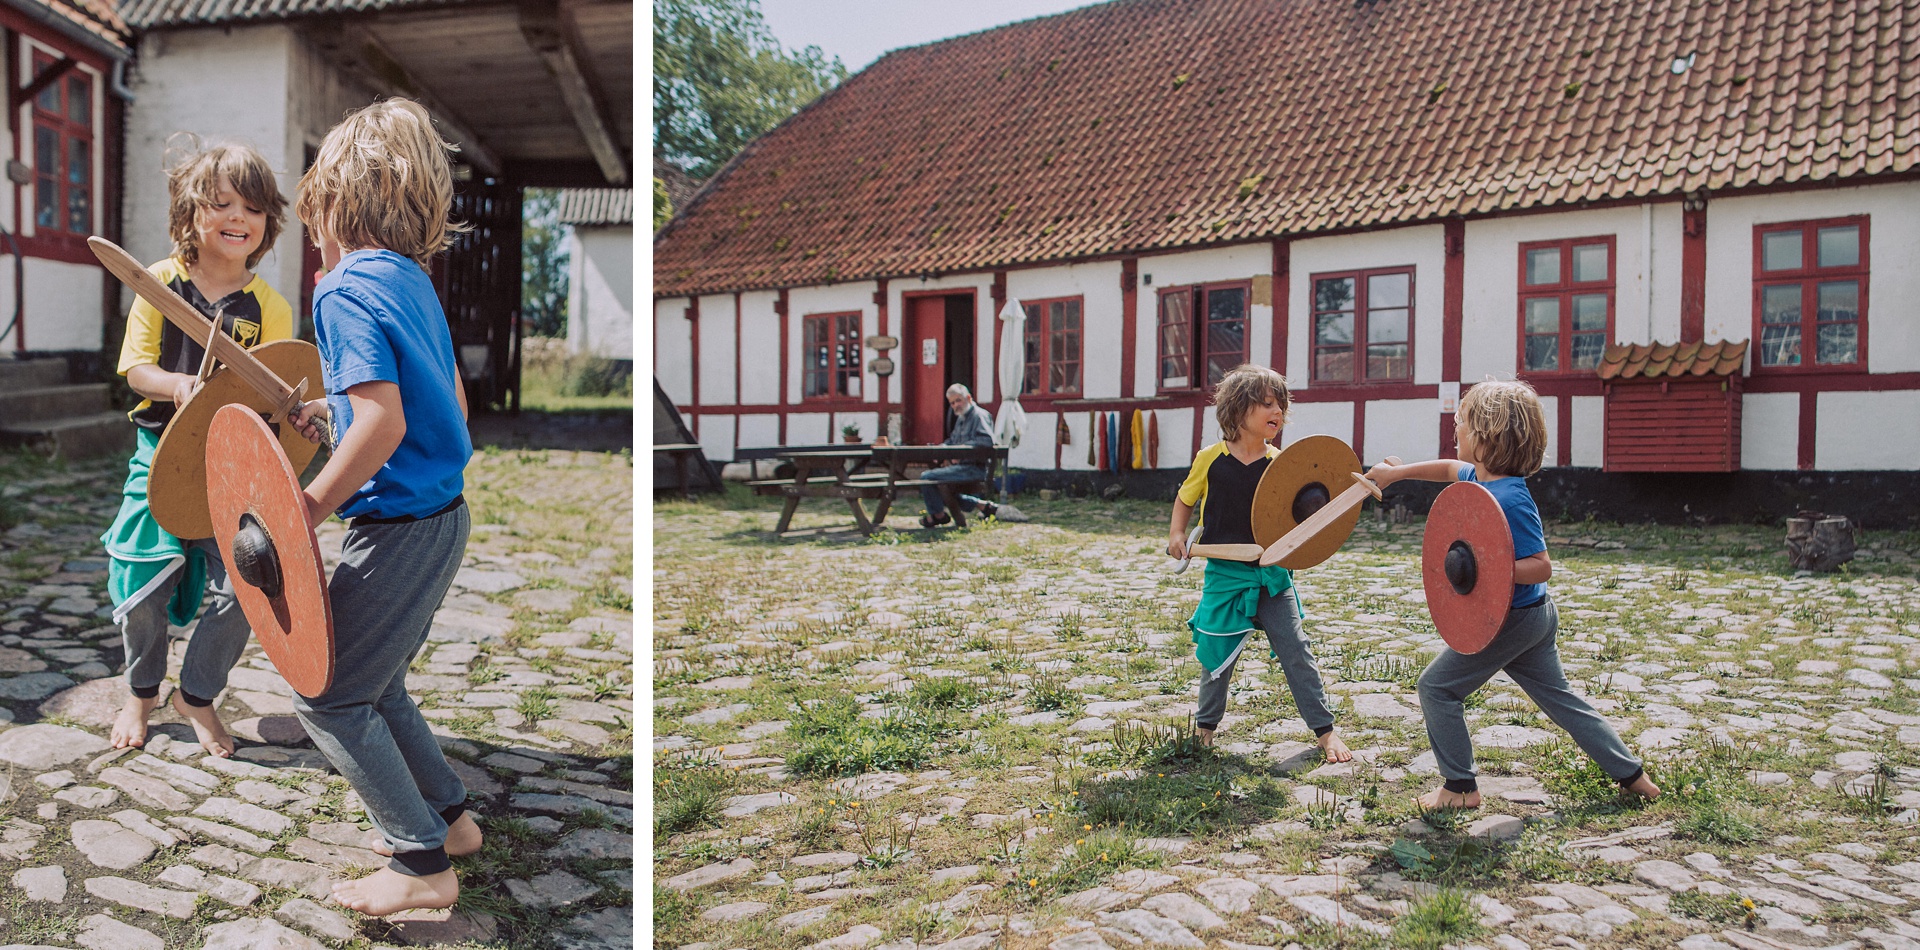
(998, 293)
(1129, 330)
(1282, 300)
(1693, 271)
(880, 329)
(786, 357)
(736, 355)
(1452, 318)
(692, 411)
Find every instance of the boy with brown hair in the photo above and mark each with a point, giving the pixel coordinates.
(1238, 598)
(1502, 435)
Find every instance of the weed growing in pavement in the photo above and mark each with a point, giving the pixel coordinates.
(1096, 853)
(1446, 916)
(834, 739)
(1573, 779)
(688, 798)
(1047, 692)
(944, 692)
(1715, 909)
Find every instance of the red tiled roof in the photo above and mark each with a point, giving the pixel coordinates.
(1671, 360)
(1144, 124)
(97, 18)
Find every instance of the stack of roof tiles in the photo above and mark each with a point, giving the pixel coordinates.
(1672, 360)
(1147, 124)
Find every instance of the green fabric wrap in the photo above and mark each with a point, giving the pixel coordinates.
(1229, 609)
(142, 553)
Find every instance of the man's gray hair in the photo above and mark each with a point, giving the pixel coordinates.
(959, 389)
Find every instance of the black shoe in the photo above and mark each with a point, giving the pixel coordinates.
(929, 521)
(988, 509)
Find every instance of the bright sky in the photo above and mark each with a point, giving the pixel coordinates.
(858, 31)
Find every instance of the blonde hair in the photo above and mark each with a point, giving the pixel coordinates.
(382, 180)
(1244, 389)
(1509, 428)
(193, 183)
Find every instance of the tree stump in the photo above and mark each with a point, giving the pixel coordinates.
(1819, 542)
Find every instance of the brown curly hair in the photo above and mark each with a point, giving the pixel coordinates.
(1508, 426)
(382, 180)
(193, 183)
(1244, 389)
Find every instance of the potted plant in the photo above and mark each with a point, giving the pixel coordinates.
(850, 432)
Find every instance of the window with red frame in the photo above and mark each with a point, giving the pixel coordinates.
(63, 153)
(1363, 326)
(1810, 293)
(1053, 347)
(1202, 326)
(1566, 304)
(831, 350)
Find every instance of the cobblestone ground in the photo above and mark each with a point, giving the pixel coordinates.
(526, 677)
(980, 739)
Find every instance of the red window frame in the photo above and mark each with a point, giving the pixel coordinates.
(54, 123)
(1045, 345)
(839, 333)
(1193, 332)
(1359, 344)
(1563, 291)
(1809, 279)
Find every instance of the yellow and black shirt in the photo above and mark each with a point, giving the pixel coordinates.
(252, 315)
(1227, 484)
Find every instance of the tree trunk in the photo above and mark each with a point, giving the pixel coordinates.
(1817, 542)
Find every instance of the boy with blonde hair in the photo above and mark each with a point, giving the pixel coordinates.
(1237, 598)
(224, 212)
(1502, 435)
(377, 200)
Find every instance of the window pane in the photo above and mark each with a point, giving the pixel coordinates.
(1227, 305)
(1228, 342)
(1031, 383)
(1590, 262)
(1333, 329)
(1387, 326)
(1780, 250)
(1543, 266)
(1175, 332)
(1388, 362)
(1839, 247)
(1590, 312)
(1069, 318)
(852, 386)
(1587, 350)
(1780, 345)
(1839, 343)
(79, 173)
(1033, 315)
(1334, 293)
(1065, 378)
(79, 104)
(1388, 290)
(1780, 304)
(1543, 352)
(1333, 364)
(1839, 300)
(49, 98)
(1543, 315)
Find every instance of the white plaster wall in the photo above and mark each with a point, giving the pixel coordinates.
(1176, 438)
(837, 298)
(62, 306)
(1422, 247)
(224, 85)
(1867, 431)
(759, 351)
(1589, 431)
(1036, 447)
(600, 292)
(1646, 273)
(808, 428)
(1239, 262)
(1893, 302)
(1409, 428)
(715, 435)
(673, 349)
(1100, 313)
(868, 422)
(758, 430)
(1073, 455)
(1210, 426)
(1319, 418)
(1550, 405)
(1770, 431)
(717, 350)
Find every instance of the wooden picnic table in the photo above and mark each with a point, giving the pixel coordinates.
(681, 453)
(900, 458)
(836, 472)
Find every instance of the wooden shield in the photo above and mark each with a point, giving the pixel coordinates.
(177, 486)
(1466, 563)
(250, 481)
(1306, 475)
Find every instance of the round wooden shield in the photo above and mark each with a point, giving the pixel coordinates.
(1466, 563)
(251, 488)
(177, 485)
(1306, 475)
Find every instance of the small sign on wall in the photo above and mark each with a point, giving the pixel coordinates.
(929, 352)
(1449, 397)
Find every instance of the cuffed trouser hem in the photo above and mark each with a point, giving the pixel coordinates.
(421, 863)
(452, 813)
(1209, 726)
(146, 692)
(1321, 731)
(1461, 786)
(1629, 780)
(194, 701)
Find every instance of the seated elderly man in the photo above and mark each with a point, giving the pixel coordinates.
(971, 426)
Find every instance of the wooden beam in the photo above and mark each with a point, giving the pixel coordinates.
(368, 61)
(550, 32)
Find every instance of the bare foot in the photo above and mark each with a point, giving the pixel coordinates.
(387, 891)
(1440, 798)
(463, 838)
(1205, 736)
(206, 727)
(1644, 787)
(130, 727)
(1336, 751)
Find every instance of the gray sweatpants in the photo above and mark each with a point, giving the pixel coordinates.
(219, 637)
(390, 581)
(1280, 618)
(1525, 649)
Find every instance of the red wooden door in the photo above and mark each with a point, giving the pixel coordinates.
(924, 358)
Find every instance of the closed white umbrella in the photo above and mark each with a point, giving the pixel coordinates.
(1011, 422)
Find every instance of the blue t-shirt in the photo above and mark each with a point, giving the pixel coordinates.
(376, 317)
(1523, 519)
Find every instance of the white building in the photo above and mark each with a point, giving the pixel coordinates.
(599, 271)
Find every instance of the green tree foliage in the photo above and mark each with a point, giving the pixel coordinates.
(662, 205)
(720, 79)
(543, 263)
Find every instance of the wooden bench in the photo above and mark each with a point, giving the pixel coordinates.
(900, 458)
